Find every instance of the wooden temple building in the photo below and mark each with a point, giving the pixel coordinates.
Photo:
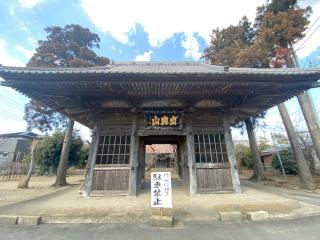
(131, 104)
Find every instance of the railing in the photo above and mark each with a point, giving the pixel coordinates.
(110, 179)
(213, 178)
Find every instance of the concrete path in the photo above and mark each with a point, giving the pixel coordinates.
(306, 228)
(69, 206)
(311, 198)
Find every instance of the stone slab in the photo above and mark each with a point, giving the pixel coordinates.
(29, 220)
(8, 220)
(162, 221)
(258, 216)
(232, 216)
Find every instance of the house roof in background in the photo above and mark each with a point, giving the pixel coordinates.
(28, 135)
(159, 148)
(8, 145)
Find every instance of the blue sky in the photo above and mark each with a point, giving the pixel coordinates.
(146, 30)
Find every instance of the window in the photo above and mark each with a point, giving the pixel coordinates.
(113, 150)
(210, 148)
(3, 154)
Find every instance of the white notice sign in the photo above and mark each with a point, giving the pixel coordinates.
(161, 196)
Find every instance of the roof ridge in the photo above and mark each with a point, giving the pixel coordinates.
(175, 63)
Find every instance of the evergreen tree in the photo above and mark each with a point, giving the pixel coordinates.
(70, 46)
(278, 25)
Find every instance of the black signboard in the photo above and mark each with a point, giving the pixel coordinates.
(163, 120)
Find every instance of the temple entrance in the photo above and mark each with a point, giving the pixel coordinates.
(162, 154)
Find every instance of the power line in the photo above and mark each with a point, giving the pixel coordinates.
(308, 38)
(10, 113)
(309, 30)
(313, 24)
(8, 99)
(11, 105)
(11, 118)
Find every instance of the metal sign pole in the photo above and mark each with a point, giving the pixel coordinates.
(275, 146)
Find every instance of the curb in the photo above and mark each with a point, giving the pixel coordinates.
(165, 221)
(20, 220)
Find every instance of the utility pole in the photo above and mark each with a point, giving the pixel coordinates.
(279, 157)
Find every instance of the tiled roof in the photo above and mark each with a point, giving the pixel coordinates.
(160, 68)
(159, 148)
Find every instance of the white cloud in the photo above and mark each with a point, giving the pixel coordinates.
(9, 125)
(191, 44)
(33, 42)
(6, 58)
(85, 132)
(311, 41)
(26, 52)
(146, 56)
(11, 10)
(161, 19)
(29, 3)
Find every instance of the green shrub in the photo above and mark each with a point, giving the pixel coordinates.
(243, 154)
(49, 150)
(288, 162)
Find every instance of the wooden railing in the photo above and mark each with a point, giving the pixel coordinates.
(213, 178)
(110, 179)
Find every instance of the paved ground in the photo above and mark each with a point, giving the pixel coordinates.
(306, 228)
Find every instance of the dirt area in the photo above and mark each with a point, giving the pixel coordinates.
(68, 205)
(276, 179)
(38, 186)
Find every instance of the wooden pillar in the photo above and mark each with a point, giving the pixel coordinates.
(232, 159)
(186, 174)
(141, 164)
(134, 150)
(179, 160)
(191, 158)
(91, 161)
